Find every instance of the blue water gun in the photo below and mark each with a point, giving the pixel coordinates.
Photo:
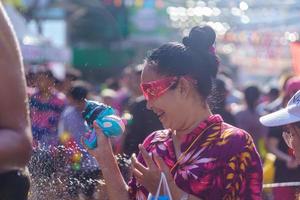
(106, 118)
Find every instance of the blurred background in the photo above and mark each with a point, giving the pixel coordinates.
(257, 40)
(76, 49)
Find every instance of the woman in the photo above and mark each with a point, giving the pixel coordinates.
(202, 157)
(286, 167)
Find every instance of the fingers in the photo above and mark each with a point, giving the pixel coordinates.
(137, 165)
(147, 157)
(97, 128)
(162, 166)
(138, 169)
(100, 134)
(137, 174)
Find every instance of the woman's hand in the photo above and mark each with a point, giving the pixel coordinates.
(149, 176)
(116, 187)
(104, 147)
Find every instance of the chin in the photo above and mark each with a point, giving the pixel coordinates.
(165, 125)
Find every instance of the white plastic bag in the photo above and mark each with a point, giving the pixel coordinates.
(166, 190)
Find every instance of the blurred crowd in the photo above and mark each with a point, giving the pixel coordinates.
(56, 106)
(55, 112)
(60, 167)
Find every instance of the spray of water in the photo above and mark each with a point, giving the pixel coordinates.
(53, 177)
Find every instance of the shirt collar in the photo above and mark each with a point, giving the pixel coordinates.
(213, 119)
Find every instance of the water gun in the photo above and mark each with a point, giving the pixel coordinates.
(106, 118)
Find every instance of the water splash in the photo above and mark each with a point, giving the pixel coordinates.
(52, 175)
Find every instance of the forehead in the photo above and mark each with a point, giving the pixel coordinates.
(150, 74)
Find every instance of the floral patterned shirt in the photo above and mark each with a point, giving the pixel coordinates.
(223, 162)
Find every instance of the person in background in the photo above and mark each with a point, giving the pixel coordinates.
(123, 93)
(108, 97)
(289, 117)
(201, 156)
(273, 94)
(248, 117)
(46, 106)
(220, 105)
(71, 124)
(15, 132)
(71, 75)
(143, 121)
(286, 167)
(277, 103)
(269, 97)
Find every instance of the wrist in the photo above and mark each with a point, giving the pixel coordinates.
(105, 157)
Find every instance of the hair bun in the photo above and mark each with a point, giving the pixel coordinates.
(200, 38)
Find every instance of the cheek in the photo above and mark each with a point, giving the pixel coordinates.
(296, 142)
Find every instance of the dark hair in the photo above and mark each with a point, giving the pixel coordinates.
(47, 73)
(274, 92)
(252, 95)
(219, 92)
(194, 57)
(79, 91)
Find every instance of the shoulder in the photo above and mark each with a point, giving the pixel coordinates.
(235, 138)
(68, 111)
(59, 98)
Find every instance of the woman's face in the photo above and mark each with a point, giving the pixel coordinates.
(169, 107)
(292, 138)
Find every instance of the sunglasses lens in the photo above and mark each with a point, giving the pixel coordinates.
(144, 89)
(157, 88)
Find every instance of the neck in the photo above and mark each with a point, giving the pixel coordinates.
(80, 106)
(193, 118)
(45, 93)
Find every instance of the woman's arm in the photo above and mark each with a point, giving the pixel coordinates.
(115, 185)
(15, 133)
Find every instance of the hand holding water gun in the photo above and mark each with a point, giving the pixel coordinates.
(106, 118)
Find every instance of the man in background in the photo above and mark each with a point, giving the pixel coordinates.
(72, 123)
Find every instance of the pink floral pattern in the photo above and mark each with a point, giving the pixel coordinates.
(222, 164)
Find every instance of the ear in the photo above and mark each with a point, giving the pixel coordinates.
(184, 87)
